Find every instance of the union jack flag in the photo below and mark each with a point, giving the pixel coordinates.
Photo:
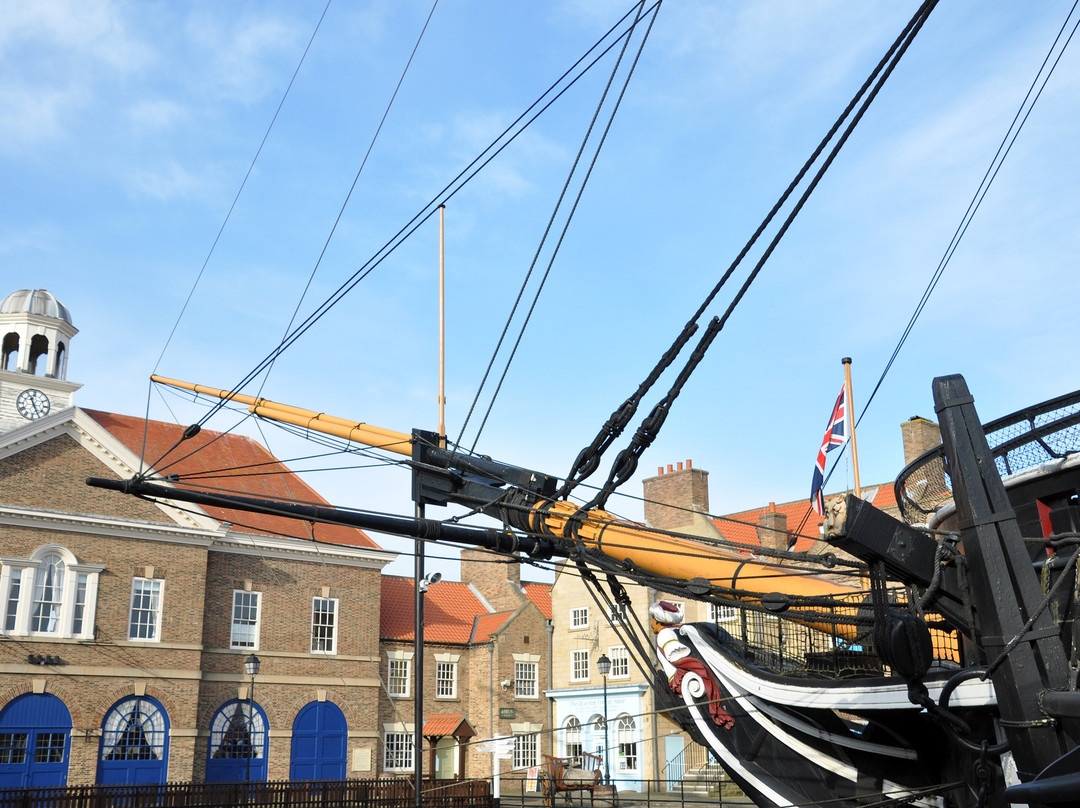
(836, 435)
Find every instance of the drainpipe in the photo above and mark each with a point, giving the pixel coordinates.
(550, 703)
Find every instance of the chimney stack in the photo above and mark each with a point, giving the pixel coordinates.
(920, 436)
(772, 529)
(673, 496)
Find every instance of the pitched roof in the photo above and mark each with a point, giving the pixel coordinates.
(235, 463)
(741, 527)
(439, 726)
(487, 624)
(449, 611)
(540, 594)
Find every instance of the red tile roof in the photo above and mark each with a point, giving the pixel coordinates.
(488, 624)
(741, 527)
(223, 461)
(449, 610)
(540, 594)
(438, 726)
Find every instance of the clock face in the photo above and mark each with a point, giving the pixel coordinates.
(32, 404)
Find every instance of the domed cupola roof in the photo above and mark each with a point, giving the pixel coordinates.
(35, 301)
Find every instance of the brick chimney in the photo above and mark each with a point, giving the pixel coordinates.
(772, 529)
(497, 581)
(920, 436)
(673, 496)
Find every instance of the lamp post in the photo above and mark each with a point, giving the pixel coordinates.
(603, 664)
(251, 666)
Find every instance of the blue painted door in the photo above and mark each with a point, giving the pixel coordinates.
(238, 744)
(35, 729)
(319, 743)
(134, 743)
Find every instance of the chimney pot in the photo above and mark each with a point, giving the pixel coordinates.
(659, 471)
(670, 468)
(680, 466)
(688, 464)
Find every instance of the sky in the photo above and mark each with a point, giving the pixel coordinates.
(187, 177)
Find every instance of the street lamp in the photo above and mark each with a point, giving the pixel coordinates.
(603, 664)
(251, 666)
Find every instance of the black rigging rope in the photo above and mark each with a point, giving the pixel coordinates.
(626, 463)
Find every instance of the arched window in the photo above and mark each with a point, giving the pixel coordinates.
(9, 353)
(134, 729)
(39, 347)
(237, 748)
(572, 739)
(626, 737)
(59, 370)
(48, 593)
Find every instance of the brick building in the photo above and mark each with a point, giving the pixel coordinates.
(128, 623)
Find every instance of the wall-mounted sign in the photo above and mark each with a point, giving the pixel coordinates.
(507, 712)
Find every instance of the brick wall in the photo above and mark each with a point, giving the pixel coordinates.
(672, 497)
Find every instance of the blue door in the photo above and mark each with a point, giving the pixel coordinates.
(237, 749)
(319, 743)
(134, 743)
(34, 747)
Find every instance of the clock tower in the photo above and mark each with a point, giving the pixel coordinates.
(35, 332)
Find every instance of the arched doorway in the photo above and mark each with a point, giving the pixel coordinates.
(320, 738)
(237, 749)
(34, 746)
(134, 742)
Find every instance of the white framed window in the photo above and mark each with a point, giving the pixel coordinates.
(525, 678)
(626, 737)
(579, 665)
(617, 613)
(722, 614)
(445, 680)
(324, 625)
(397, 751)
(620, 662)
(579, 617)
(48, 594)
(526, 744)
(572, 746)
(144, 620)
(398, 676)
(245, 619)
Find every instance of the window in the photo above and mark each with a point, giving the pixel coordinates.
(245, 619)
(398, 751)
(397, 677)
(579, 666)
(525, 676)
(323, 625)
(572, 740)
(49, 593)
(134, 729)
(50, 747)
(620, 662)
(525, 751)
(145, 620)
(13, 747)
(626, 736)
(722, 614)
(445, 680)
(579, 617)
(238, 730)
(617, 613)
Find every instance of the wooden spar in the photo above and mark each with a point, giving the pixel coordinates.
(398, 442)
(442, 322)
(851, 422)
(659, 553)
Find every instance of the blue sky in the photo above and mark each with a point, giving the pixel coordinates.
(126, 130)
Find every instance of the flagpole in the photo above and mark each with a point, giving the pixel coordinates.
(851, 419)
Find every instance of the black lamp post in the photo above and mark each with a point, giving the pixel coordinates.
(251, 666)
(603, 664)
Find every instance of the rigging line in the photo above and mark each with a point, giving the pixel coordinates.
(356, 179)
(243, 183)
(977, 199)
(626, 463)
(448, 191)
(655, 10)
(587, 460)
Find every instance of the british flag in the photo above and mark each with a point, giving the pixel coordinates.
(835, 435)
